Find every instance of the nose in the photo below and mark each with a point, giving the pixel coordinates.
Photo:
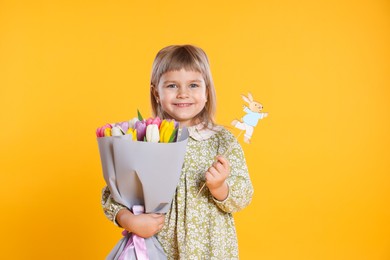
(182, 92)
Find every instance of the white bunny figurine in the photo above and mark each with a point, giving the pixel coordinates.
(252, 117)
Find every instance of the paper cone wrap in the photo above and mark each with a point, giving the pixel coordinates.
(142, 173)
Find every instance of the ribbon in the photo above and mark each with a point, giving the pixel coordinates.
(135, 242)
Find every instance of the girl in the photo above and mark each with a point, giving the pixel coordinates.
(196, 227)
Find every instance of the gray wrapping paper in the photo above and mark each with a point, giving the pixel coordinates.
(142, 173)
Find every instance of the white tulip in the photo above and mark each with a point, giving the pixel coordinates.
(152, 134)
(116, 131)
(132, 122)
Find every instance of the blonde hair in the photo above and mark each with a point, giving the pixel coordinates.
(190, 58)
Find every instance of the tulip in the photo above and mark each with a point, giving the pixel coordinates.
(116, 131)
(140, 126)
(173, 137)
(100, 131)
(107, 132)
(157, 121)
(132, 122)
(154, 121)
(133, 133)
(124, 126)
(167, 129)
(152, 133)
(149, 121)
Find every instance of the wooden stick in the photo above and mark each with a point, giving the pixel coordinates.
(224, 154)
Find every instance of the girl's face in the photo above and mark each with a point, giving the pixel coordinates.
(182, 95)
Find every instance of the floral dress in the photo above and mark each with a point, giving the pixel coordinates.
(202, 227)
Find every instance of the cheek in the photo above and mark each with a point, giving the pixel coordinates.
(202, 99)
(204, 95)
(164, 95)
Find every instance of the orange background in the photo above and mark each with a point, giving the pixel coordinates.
(319, 163)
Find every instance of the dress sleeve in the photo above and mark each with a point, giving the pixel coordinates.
(110, 206)
(240, 185)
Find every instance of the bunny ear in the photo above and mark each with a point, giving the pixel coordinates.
(245, 99)
(250, 97)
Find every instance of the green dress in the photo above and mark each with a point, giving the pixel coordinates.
(202, 227)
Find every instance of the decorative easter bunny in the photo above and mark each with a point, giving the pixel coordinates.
(249, 121)
(252, 117)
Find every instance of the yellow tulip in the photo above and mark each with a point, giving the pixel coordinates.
(107, 132)
(166, 130)
(133, 133)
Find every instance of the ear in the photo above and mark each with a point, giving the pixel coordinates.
(154, 91)
(245, 99)
(250, 97)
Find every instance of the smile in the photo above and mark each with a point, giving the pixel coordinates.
(183, 104)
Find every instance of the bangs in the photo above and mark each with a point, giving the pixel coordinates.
(180, 58)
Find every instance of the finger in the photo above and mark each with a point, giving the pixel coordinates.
(209, 177)
(214, 164)
(220, 168)
(158, 229)
(159, 218)
(222, 160)
(213, 171)
(223, 169)
(161, 224)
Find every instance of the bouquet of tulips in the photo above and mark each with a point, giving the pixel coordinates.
(141, 162)
(151, 130)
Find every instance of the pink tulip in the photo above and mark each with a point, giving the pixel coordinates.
(153, 121)
(100, 130)
(157, 121)
(149, 121)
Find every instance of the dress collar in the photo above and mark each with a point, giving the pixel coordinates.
(202, 131)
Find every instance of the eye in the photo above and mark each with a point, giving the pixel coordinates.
(171, 86)
(194, 85)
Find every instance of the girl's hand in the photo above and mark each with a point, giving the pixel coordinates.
(216, 177)
(143, 225)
